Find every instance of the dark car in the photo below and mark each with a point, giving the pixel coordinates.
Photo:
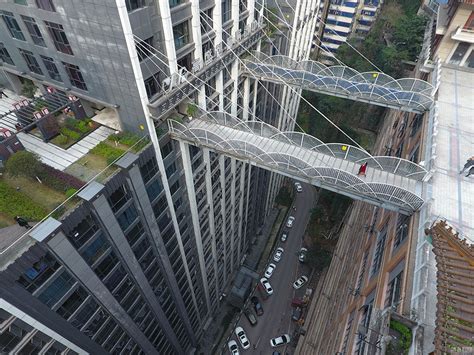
(251, 317)
(257, 306)
(297, 313)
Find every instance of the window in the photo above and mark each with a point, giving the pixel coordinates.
(134, 4)
(152, 85)
(83, 232)
(181, 35)
(362, 272)
(413, 157)
(127, 217)
(399, 151)
(59, 37)
(84, 314)
(394, 288)
(167, 149)
(145, 48)
(470, 60)
(149, 169)
(4, 55)
(170, 170)
(51, 68)
(206, 20)
(45, 5)
(364, 324)
(12, 25)
(33, 30)
(21, 2)
(226, 11)
(347, 333)
(135, 233)
(31, 61)
(106, 265)
(75, 76)
(118, 198)
(378, 253)
(153, 189)
(72, 303)
(57, 289)
(174, 3)
(459, 53)
(402, 229)
(35, 276)
(93, 252)
(416, 123)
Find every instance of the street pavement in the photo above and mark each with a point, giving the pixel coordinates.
(276, 319)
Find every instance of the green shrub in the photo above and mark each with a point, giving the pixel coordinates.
(70, 192)
(284, 197)
(403, 344)
(108, 152)
(70, 133)
(62, 139)
(83, 126)
(23, 163)
(28, 89)
(124, 138)
(15, 203)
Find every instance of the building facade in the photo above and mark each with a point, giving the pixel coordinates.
(141, 265)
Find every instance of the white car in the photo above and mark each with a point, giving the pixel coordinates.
(302, 255)
(233, 347)
(266, 285)
(284, 236)
(281, 340)
(290, 221)
(239, 331)
(269, 271)
(300, 282)
(278, 254)
(298, 187)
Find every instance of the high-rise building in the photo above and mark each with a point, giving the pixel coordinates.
(140, 264)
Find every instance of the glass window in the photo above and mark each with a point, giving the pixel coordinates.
(59, 37)
(75, 76)
(140, 248)
(135, 233)
(12, 25)
(84, 314)
(51, 68)
(402, 229)
(378, 253)
(152, 85)
(106, 265)
(34, 30)
(118, 198)
(83, 232)
(470, 60)
(35, 276)
(45, 5)
(167, 149)
(170, 170)
(149, 169)
(226, 10)
(153, 189)
(4, 55)
(174, 187)
(116, 277)
(72, 303)
(459, 53)
(105, 331)
(57, 289)
(394, 288)
(127, 217)
(206, 20)
(145, 48)
(181, 35)
(95, 249)
(21, 2)
(31, 61)
(134, 4)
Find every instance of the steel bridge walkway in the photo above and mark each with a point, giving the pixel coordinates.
(391, 182)
(407, 94)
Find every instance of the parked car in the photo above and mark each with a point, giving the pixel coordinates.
(266, 285)
(297, 313)
(269, 271)
(281, 340)
(278, 254)
(300, 282)
(233, 347)
(297, 302)
(284, 236)
(290, 221)
(257, 305)
(298, 187)
(244, 341)
(302, 255)
(250, 317)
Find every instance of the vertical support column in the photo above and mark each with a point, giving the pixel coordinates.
(188, 175)
(117, 238)
(246, 99)
(251, 8)
(128, 34)
(168, 37)
(212, 226)
(138, 189)
(235, 17)
(223, 214)
(235, 77)
(232, 213)
(241, 210)
(197, 39)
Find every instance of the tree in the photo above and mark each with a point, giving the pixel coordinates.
(23, 163)
(28, 89)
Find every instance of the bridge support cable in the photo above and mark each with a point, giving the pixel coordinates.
(390, 182)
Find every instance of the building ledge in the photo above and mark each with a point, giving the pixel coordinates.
(463, 35)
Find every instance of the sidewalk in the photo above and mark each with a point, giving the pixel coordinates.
(213, 339)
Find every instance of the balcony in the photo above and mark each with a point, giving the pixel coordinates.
(463, 35)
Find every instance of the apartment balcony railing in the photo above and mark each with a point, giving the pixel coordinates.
(184, 84)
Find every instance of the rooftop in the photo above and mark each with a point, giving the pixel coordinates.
(452, 192)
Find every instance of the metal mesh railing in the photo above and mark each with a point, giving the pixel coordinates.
(380, 88)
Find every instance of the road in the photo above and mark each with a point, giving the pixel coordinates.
(276, 319)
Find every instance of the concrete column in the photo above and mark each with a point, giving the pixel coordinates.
(232, 215)
(212, 226)
(69, 256)
(235, 17)
(223, 214)
(118, 239)
(246, 99)
(188, 175)
(241, 209)
(168, 37)
(235, 76)
(138, 189)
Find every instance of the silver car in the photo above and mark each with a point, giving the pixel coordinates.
(278, 254)
(290, 221)
(281, 340)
